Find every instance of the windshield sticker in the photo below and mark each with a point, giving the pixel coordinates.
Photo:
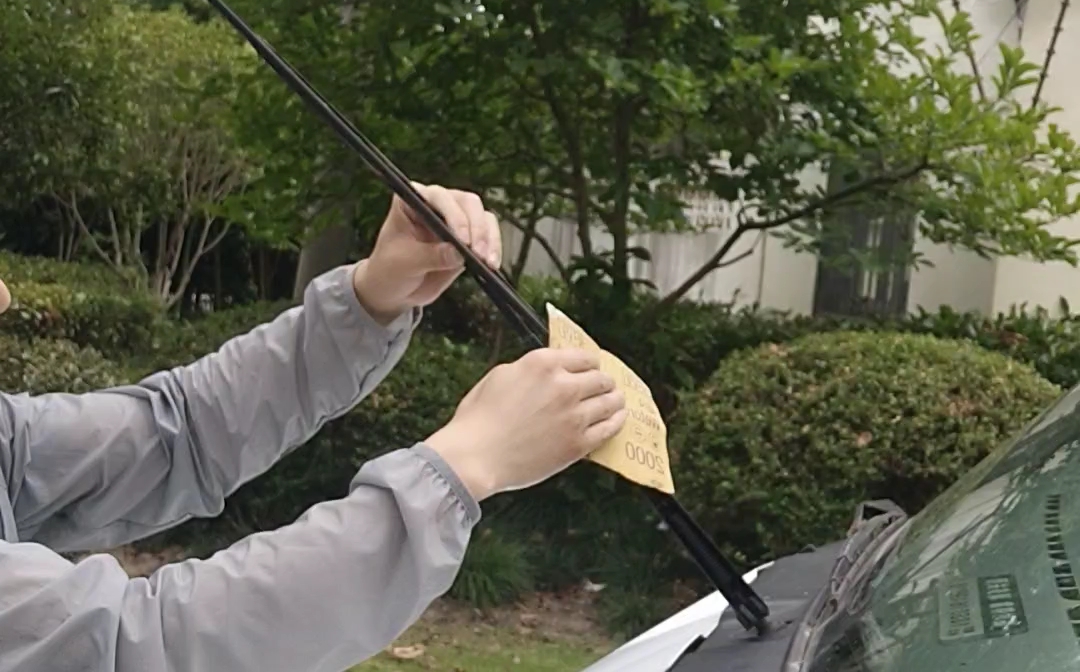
(982, 608)
(1064, 577)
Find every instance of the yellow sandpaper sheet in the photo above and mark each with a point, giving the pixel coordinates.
(639, 451)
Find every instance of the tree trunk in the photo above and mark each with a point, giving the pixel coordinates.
(219, 285)
(325, 251)
(262, 281)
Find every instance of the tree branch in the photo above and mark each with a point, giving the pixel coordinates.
(206, 171)
(202, 248)
(1050, 53)
(734, 260)
(971, 59)
(544, 243)
(114, 231)
(572, 142)
(832, 199)
(518, 267)
(72, 208)
(617, 225)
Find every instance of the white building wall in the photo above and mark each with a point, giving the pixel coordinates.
(958, 278)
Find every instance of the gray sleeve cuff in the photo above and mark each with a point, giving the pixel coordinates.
(457, 487)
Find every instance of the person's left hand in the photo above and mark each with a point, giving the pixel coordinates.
(410, 267)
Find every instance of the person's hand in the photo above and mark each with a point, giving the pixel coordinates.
(526, 421)
(410, 267)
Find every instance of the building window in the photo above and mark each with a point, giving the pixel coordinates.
(863, 268)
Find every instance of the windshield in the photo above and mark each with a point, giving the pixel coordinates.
(986, 577)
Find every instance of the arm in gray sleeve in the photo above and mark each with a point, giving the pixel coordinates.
(320, 595)
(96, 470)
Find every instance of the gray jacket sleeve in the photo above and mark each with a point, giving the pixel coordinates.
(100, 469)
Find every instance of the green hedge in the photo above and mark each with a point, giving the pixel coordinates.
(778, 446)
(688, 341)
(54, 366)
(681, 346)
(115, 323)
(554, 534)
(16, 268)
(87, 304)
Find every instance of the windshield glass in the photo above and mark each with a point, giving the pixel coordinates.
(986, 577)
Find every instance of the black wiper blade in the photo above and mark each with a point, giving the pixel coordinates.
(748, 606)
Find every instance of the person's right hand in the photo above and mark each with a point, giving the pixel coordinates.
(526, 421)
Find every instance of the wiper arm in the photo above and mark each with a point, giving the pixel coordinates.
(871, 520)
(874, 530)
(873, 523)
(748, 606)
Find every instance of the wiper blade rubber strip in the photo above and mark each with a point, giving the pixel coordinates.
(748, 606)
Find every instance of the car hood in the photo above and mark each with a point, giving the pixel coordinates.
(707, 637)
(658, 649)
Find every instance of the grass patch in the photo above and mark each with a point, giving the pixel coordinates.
(544, 634)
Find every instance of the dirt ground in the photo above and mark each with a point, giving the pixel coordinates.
(563, 617)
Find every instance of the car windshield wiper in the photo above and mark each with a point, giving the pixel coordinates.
(747, 605)
(874, 531)
(872, 523)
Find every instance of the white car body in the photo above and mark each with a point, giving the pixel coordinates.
(657, 649)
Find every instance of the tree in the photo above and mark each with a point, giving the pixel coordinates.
(642, 101)
(607, 113)
(371, 62)
(311, 194)
(46, 85)
(984, 170)
(165, 159)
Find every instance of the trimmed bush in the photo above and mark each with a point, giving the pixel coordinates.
(776, 449)
(54, 366)
(87, 304)
(417, 398)
(16, 268)
(689, 340)
(118, 324)
(1050, 344)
